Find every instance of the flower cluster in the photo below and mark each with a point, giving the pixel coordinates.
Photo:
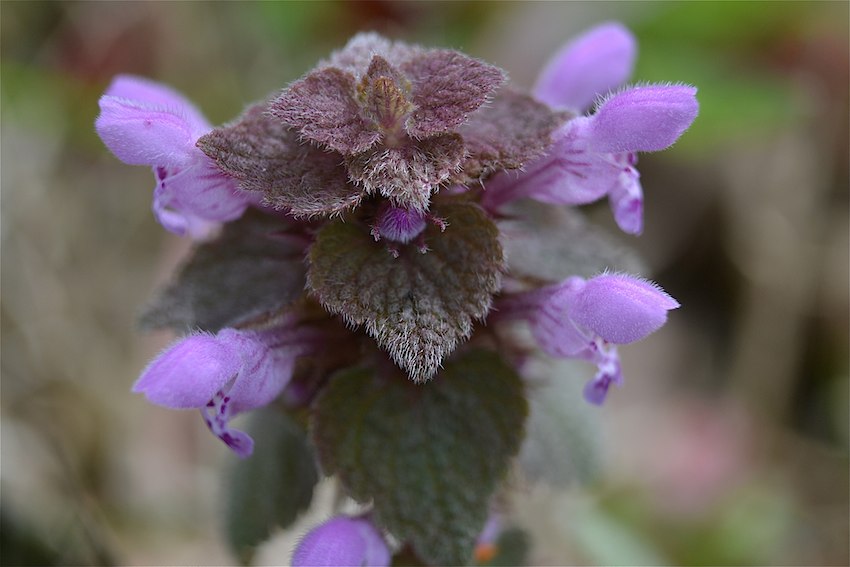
(409, 194)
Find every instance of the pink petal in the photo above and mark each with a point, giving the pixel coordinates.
(141, 135)
(568, 174)
(552, 327)
(626, 200)
(189, 372)
(621, 309)
(204, 191)
(156, 95)
(590, 65)
(342, 541)
(642, 119)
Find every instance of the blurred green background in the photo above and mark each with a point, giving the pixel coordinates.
(729, 443)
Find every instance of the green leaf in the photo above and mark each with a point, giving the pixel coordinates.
(429, 457)
(562, 443)
(549, 243)
(417, 306)
(251, 270)
(512, 549)
(271, 488)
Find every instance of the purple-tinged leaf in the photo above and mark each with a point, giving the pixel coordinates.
(418, 307)
(357, 54)
(250, 271)
(447, 87)
(508, 133)
(264, 155)
(384, 94)
(323, 108)
(408, 174)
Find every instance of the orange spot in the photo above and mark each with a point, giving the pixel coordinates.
(485, 552)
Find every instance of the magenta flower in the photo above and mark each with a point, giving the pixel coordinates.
(145, 123)
(586, 319)
(595, 156)
(342, 541)
(226, 374)
(398, 224)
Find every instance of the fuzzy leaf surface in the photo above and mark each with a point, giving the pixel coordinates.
(447, 87)
(508, 133)
(265, 155)
(323, 108)
(549, 243)
(417, 306)
(251, 270)
(360, 50)
(429, 457)
(384, 94)
(271, 488)
(408, 174)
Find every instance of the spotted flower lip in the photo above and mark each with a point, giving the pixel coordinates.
(586, 319)
(226, 374)
(146, 123)
(342, 540)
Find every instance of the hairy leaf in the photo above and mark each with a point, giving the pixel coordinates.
(408, 174)
(357, 54)
(263, 154)
(271, 488)
(507, 133)
(447, 86)
(384, 95)
(323, 108)
(549, 243)
(429, 457)
(249, 271)
(417, 306)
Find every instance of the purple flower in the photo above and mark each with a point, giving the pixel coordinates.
(145, 123)
(586, 319)
(342, 541)
(398, 224)
(599, 60)
(594, 156)
(226, 374)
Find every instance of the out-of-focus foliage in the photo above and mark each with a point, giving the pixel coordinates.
(728, 444)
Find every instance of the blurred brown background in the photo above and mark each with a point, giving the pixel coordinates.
(727, 445)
